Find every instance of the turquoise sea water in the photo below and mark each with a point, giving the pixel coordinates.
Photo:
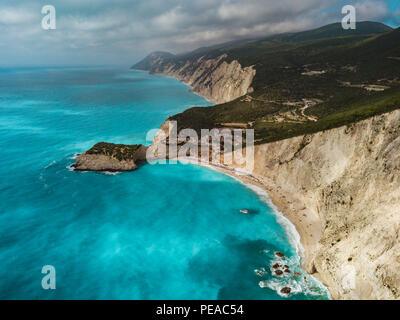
(161, 232)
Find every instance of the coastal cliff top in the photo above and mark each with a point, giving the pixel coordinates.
(118, 151)
(305, 82)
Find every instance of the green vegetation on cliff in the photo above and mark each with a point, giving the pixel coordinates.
(118, 151)
(305, 82)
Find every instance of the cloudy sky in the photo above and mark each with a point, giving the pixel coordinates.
(120, 32)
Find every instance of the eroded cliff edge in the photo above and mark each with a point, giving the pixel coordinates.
(217, 79)
(341, 189)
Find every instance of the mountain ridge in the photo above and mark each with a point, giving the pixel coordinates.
(364, 27)
(297, 83)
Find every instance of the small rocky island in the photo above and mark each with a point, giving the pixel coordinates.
(111, 157)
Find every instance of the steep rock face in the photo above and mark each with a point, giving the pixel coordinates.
(98, 162)
(347, 181)
(215, 79)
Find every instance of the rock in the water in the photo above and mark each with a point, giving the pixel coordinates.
(296, 274)
(286, 290)
(111, 157)
(261, 272)
(276, 266)
(279, 254)
(278, 273)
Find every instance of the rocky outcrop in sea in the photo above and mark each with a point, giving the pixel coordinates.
(111, 158)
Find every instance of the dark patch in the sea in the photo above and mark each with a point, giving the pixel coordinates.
(5, 188)
(231, 266)
(252, 212)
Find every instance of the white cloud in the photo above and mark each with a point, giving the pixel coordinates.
(16, 15)
(371, 10)
(96, 23)
(169, 20)
(103, 31)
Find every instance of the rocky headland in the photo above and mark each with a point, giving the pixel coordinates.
(109, 157)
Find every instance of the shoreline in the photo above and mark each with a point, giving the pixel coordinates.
(213, 103)
(254, 184)
(300, 231)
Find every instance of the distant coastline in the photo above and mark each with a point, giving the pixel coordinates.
(191, 89)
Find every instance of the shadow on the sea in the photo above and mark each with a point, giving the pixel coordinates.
(230, 266)
(251, 212)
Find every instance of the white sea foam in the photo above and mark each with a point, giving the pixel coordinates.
(260, 272)
(111, 173)
(277, 285)
(50, 164)
(70, 167)
(291, 231)
(74, 157)
(310, 287)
